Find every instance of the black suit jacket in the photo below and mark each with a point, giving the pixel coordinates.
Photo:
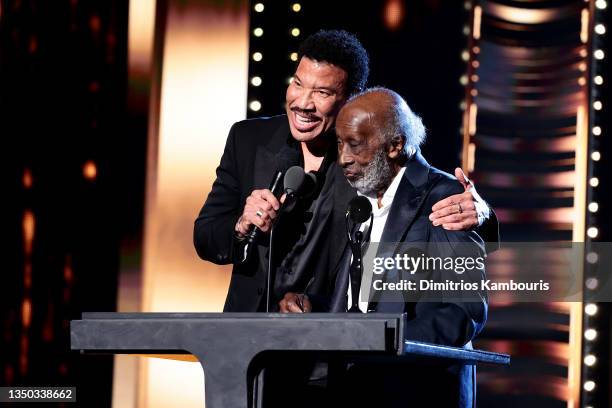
(453, 323)
(249, 163)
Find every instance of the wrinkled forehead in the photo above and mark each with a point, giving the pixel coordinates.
(356, 119)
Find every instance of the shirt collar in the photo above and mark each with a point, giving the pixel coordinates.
(389, 194)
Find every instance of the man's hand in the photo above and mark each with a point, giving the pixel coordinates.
(295, 303)
(460, 211)
(260, 209)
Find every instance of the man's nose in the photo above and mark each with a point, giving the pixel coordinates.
(344, 156)
(304, 100)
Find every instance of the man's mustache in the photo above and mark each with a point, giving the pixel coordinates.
(304, 112)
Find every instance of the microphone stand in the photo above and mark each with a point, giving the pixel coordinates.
(289, 199)
(355, 238)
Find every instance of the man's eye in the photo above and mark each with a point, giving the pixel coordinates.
(324, 94)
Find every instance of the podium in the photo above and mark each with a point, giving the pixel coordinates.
(226, 344)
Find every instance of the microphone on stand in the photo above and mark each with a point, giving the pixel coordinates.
(358, 212)
(297, 184)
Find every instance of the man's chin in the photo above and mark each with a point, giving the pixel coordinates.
(301, 136)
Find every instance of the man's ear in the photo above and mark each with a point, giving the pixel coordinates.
(396, 148)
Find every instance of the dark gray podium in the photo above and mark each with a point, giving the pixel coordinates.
(227, 343)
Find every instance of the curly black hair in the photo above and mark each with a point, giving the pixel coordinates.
(343, 49)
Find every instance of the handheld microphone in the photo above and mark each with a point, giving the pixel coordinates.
(299, 184)
(286, 158)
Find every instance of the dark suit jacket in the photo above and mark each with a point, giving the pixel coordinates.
(453, 323)
(249, 163)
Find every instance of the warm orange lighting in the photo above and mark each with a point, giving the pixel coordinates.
(394, 13)
(477, 22)
(527, 15)
(27, 179)
(68, 274)
(89, 170)
(584, 26)
(95, 23)
(472, 119)
(28, 225)
(26, 312)
(203, 91)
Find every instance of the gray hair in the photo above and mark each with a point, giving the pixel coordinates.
(403, 123)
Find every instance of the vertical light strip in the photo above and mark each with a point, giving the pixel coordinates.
(580, 183)
(203, 91)
(28, 229)
(477, 21)
(141, 29)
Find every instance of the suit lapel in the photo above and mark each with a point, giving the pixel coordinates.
(266, 156)
(415, 186)
(408, 200)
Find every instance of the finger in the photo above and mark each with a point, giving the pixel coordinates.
(262, 213)
(259, 203)
(255, 219)
(452, 227)
(462, 178)
(452, 209)
(283, 306)
(293, 307)
(458, 226)
(466, 216)
(468, 204)
(269, 197)
(448, 201)
(462, 225)
(259, 222)
(447, 219)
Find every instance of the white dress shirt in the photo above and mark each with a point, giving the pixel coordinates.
(378, 225)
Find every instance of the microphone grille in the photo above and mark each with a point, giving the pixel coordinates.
(294, 178)
(359, 209)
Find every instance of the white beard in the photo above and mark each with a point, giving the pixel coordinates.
(377, 176)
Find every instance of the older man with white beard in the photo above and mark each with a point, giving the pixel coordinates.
(378, 150)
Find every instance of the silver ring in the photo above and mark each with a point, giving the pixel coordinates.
(460, 209)
(259, 213)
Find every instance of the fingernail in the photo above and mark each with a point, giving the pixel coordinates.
(436, 223)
